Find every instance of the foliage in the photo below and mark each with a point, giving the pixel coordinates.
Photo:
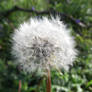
(79, 77)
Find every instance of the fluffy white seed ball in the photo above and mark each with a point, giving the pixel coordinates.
(42, 44)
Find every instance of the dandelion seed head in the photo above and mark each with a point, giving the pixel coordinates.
(42, 44)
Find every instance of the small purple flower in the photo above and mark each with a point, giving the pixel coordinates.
(33, 8)
(38, 17)
(77, 21)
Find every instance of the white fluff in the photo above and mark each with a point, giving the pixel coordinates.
(42, 44)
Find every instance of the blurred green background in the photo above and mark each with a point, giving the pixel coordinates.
(79, 77)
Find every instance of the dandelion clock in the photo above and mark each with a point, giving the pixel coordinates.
(42, 45)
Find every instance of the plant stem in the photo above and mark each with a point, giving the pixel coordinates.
(48, 81)
(19, 89)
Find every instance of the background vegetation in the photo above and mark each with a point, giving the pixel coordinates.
(77, 16)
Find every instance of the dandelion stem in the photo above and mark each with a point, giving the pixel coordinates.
(19, 89)
(48, 81)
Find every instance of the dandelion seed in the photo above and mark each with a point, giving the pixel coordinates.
(43, 44)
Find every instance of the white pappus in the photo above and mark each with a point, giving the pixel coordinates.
(44, 43)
